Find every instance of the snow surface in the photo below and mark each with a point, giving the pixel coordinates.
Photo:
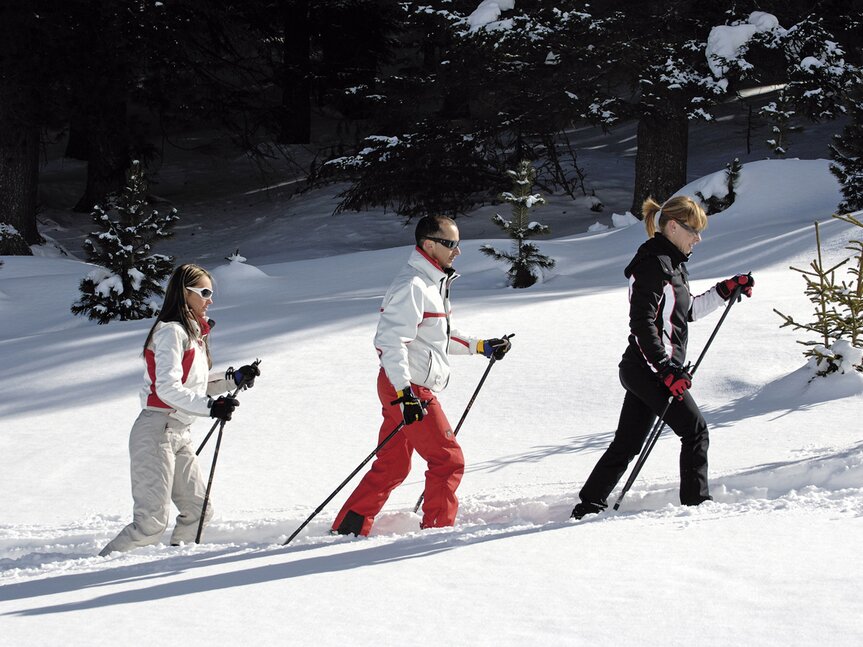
(774, 560)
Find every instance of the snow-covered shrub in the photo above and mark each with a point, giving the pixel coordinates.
(12, 243)
(720, 194)
(525, 259)
(127, 276)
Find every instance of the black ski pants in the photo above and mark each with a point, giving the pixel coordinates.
(645, 399)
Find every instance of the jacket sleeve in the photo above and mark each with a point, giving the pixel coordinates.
(217, 383)
(168, 349)
(704, 304)
(401, 315)
(646, 294)
(461, 344)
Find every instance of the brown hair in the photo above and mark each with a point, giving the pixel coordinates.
(174, 307)
(680, 208)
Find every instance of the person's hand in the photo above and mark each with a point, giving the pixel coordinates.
(248, 373)
(223, 407)
(675, 377)
(743, 281)
(496, 347)
(412, 407)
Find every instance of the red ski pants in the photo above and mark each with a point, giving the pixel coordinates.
(433, 439)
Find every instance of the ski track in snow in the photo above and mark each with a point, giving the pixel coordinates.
(826, 484)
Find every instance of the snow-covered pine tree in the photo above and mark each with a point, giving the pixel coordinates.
(525, 258)
(847, 154)
(838, 316)
(128, 275)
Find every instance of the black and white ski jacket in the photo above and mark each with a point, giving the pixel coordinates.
(660, 304)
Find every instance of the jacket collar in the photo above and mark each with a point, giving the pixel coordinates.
(429, 266)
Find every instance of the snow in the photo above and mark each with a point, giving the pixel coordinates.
(728, 43)
(772, 561)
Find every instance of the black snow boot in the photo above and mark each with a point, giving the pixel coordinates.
(352, 524)
(584, 508)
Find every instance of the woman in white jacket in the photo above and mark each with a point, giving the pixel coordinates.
(177, 387)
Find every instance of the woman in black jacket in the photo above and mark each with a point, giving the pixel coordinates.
(660, 309)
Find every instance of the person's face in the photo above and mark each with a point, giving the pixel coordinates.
(684, 237)
(198, 303)
(439, 251)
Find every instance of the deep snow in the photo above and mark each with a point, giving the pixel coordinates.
(773, 560)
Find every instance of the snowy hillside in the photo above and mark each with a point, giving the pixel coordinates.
(774, 560)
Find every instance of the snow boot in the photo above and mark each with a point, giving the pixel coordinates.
(352, 524)
(584, 508)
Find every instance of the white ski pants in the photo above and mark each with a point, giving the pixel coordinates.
(164, 468)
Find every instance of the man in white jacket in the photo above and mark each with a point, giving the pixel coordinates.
(414, 340)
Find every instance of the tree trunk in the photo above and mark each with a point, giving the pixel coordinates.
(294, 115)
(19, 173)
(108, 151)
(101, 95)
(660, 163)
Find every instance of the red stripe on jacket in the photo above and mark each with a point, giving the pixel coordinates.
(150, 358)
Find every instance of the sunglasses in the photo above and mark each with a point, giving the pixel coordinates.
(691, 230)
(204, 293)
(449, 244)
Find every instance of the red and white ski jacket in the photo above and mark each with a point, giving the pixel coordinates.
(414, 336)
(177, 377)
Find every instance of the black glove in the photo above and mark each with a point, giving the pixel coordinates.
(412, 408)
(248, 373)
(494, 347)
(743, 281)
(223, 407)
(675, 377)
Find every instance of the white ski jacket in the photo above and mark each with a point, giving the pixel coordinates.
(177, 376)
(414, 336)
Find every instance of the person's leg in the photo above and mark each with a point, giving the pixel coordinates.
(390, 467)
(189, 488)
(152, 471)
(434, 440)
(636, 419)
(685, 420)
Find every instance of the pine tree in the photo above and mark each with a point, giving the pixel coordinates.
(128, 275)
(847, 155)
(838, 316)
(525, 257)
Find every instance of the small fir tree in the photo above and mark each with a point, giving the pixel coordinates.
(847, 154)
(525, 259)
(838, 317)
(128, 276)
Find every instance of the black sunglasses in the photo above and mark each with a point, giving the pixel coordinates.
(449, 244)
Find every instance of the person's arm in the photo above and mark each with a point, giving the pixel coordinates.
(646, 293)
(401, 315)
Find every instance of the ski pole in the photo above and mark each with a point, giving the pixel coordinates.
(345, 482)
(209, 484)
(216, 424)
(467, 408)
(221, 424)
(660, 422)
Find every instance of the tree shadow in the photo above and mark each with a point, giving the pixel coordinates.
(537, 453)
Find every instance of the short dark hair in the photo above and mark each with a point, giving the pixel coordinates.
(429, 226)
